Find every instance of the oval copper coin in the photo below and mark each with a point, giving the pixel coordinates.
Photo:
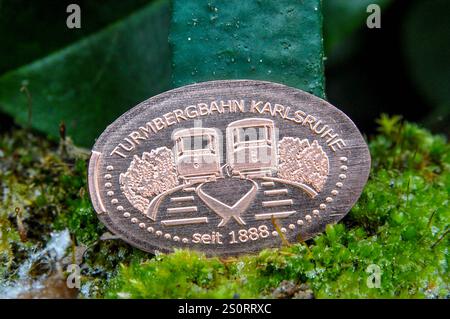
(227, 167)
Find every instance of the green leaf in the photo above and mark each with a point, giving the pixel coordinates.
(343, 17)
(91, 82)
(279, 41)
(427, 52)
(26, 26)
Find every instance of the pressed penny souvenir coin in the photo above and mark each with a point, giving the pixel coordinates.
(227, 167)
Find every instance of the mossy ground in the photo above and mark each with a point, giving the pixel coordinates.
(400, 226)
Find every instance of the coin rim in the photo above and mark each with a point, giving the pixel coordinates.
(150, 247)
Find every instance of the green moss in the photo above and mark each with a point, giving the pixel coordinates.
(400, 224)
(43, 189)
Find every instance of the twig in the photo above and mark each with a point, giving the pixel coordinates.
(277, 228)
(25, 90)
(440, 238)
(300, 239)
(407, 193)
(62, 140)
(431, 217)
(20, 226)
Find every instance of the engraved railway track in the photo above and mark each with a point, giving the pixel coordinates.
(182, 199)
(275, 192)
(267, 189)
(263, 216)
(184, 221)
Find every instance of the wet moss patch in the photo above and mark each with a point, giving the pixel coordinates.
(394, 242)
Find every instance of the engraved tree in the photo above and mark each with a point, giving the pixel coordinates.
(148, 176)
(302, 162)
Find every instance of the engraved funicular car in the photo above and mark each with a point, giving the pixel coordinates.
(251, 147)
(197, 154)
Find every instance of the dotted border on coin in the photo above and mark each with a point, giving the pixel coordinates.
(334, 192)
(184, 240)
(135, 220)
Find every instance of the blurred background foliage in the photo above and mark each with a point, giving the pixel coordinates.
(87, 77)
(115, 63)
(401, 68)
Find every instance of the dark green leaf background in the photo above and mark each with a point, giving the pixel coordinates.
(279, 41)
(87, 77)
(344, 17)
(90, 82)
(427, 50)
(94, 80)
(32, 29)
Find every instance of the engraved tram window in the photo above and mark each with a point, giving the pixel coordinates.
(197, 143)
(197, 153)
(252, 134)
(264, 152)
(250, 147)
